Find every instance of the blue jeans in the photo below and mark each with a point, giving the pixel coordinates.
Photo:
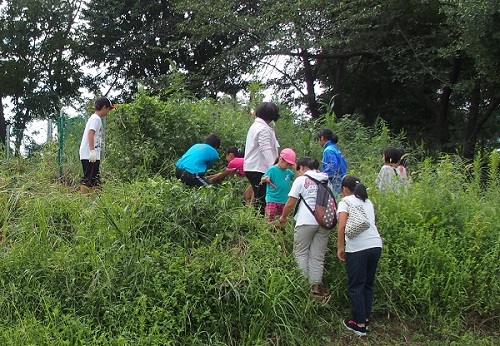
(361, 267)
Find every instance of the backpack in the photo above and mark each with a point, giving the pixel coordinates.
(325, 211)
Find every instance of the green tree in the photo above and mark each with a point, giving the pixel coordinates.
(140, 42)
(431, 69)
(476, 45)
(38, 45)
(297, 40)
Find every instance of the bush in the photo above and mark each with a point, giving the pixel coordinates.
(147, 263)
(147, 135)
(441, 238)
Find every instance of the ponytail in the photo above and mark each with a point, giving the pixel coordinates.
(237, 152)
(353, 184)
(360, 192)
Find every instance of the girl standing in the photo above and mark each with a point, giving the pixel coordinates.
(279, 178)
(360, 253)
(333, 162)
(310, 241)
(392, 174)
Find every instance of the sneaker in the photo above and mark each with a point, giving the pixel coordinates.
(353, 326)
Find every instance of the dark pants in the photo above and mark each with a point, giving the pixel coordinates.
(259, 191)
(191, 179)
(91, 175)
(361, 267)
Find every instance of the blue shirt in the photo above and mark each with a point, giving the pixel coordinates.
(198, 158)
(334, 165)
(282, 178)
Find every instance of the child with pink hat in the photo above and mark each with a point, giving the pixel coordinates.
(279, 178)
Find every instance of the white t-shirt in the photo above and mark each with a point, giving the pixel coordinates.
(369, 238)
(261, 147)
(308, 189)
(94, 123)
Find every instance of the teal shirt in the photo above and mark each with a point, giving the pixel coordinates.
(198, 158)
(282, 178)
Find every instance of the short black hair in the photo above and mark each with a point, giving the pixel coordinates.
(329, 135)
(267, 111)
(103, 102)
(308, 162)
(213, 140)
(392, 155)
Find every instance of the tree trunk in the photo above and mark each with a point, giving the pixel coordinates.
(338, 101)
(469, 137)
(477, 119)
(312, 104)
(444, 103)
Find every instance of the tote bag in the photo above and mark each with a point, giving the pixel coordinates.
(357, 220)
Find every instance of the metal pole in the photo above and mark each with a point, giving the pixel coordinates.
(60, 128)
(102, 166)
(7, 142)
(49, 130)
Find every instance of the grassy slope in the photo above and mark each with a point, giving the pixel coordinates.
(58, 274)
(150, 262)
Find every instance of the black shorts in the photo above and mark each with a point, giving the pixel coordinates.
(191, 179)
(91, 176)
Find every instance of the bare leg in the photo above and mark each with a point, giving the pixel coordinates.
(248, 195)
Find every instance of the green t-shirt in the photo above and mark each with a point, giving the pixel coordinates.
(282, 178)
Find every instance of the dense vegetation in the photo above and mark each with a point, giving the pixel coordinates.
(152, 262)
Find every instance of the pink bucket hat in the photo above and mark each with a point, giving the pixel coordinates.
(288, 155)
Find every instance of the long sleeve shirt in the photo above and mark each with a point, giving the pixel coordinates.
(261, 148)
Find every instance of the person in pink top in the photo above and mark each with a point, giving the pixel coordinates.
(234, 157)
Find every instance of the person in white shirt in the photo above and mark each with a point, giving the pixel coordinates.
(261, 150)
(393, 174)
(361, 253)
(310, 241)
(90, 147)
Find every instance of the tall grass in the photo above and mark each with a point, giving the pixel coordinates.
(441, 242)
(149, 261)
